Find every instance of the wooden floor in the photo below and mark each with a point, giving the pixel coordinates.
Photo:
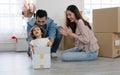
(18, 63)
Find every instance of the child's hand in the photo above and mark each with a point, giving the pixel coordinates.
(49, 44)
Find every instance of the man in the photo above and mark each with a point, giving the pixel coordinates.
(41, 19)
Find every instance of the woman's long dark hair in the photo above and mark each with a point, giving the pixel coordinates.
(77, 14)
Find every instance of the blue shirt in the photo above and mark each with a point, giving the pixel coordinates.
(50, 27)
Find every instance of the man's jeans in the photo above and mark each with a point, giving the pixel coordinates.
(75, 54)
(57, 41)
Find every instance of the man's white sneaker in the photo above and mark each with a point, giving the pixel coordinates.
(54, 55)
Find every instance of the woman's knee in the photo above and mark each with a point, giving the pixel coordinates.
(64, 56)
(92, 57)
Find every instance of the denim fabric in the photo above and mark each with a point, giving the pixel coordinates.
(51, 32)
(75, 54)
(50, 28)
(57, 41)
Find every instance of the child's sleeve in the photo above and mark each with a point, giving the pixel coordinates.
(31, 43)
(47, 39)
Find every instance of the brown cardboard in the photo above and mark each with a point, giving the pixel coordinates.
(67, 43)
(109, 44)
(106, 19)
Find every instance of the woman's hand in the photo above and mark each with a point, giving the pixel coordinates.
(63, 32)
(68, 30)
(49, 44)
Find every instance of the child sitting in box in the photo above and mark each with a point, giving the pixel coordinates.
(38, 39)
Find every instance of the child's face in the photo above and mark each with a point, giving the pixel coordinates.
(37, 32)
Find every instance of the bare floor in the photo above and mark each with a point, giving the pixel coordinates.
(18, 63)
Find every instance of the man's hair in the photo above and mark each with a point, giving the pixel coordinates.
(41, 13)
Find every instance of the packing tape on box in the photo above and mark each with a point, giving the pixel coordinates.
(41, 66)
(41, 56)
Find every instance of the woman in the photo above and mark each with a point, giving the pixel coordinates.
(86, 46)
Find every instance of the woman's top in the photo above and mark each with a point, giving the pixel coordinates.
(86, 41)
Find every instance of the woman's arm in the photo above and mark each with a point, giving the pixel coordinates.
(84, 32)
(82, 29)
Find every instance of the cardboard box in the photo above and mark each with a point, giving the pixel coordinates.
(22, 44)
(67, 43)
(41, 50)
(109, 44)
(41, 57)
(41, 61)
(106, 19)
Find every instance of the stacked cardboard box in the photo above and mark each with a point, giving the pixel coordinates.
(106, 24)
(41, 57)
(109, 44)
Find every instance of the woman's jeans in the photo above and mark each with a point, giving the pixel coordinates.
(75, 54)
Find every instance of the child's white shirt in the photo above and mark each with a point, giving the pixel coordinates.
(42, 42)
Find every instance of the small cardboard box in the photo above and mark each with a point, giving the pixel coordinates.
(67, 43)
(41, 57)
(106, 19)
(109, 44)
(41, 61)
(21, 44)
(43, 50)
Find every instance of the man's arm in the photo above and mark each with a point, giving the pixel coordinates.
(28, 32)
(52, 31)
(51, 40)
(30, 24)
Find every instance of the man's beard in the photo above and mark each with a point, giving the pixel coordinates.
(42, 26)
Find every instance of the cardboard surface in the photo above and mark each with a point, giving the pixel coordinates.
(106, 19)
(41, 57)
(38, 50)
(41, 61)
(109, 44)
(67, 43)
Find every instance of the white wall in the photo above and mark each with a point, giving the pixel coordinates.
(56, 8)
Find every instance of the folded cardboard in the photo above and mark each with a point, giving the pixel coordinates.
(67, 43)
(41, 57)
(21, 44)
(38, 50)
(106, 19)
(41, 61)
(109, 44)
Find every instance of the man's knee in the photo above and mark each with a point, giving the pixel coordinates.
(59, 27)
(58, 34)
